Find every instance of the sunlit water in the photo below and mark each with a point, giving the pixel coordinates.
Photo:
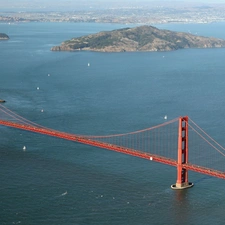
(55, 181)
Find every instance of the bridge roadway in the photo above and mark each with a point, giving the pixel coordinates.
(124, 150)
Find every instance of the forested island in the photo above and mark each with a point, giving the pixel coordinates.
(4, 36)
(142, 38)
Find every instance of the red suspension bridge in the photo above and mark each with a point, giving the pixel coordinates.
(180, 143)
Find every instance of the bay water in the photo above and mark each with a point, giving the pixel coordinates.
(60, 182)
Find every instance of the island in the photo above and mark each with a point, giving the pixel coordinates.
(141, 38)
(4, 36)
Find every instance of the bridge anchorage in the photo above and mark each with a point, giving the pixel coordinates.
(182, 173)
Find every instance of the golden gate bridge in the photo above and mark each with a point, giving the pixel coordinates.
(179, 142)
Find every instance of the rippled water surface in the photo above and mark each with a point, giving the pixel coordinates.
(60, 182)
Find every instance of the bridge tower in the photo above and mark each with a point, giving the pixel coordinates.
(182, 173)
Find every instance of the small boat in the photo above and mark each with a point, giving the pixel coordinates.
(24, 148)
(165, 117)
(2, 101)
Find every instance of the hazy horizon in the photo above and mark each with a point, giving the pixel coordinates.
(62, 5)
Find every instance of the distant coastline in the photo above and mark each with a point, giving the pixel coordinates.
(125, 12)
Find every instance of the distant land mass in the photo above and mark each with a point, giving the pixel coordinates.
(4, 36)
(142, 38)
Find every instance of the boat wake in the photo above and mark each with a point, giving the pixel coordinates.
(65, 193)
(61, 195)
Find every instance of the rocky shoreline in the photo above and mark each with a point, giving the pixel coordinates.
(4, 36)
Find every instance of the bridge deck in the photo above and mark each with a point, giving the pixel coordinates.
(124, 150)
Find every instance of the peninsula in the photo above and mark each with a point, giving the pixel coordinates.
(4, 36)
(142, 38)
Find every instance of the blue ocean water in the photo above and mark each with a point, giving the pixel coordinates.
(60, 182)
